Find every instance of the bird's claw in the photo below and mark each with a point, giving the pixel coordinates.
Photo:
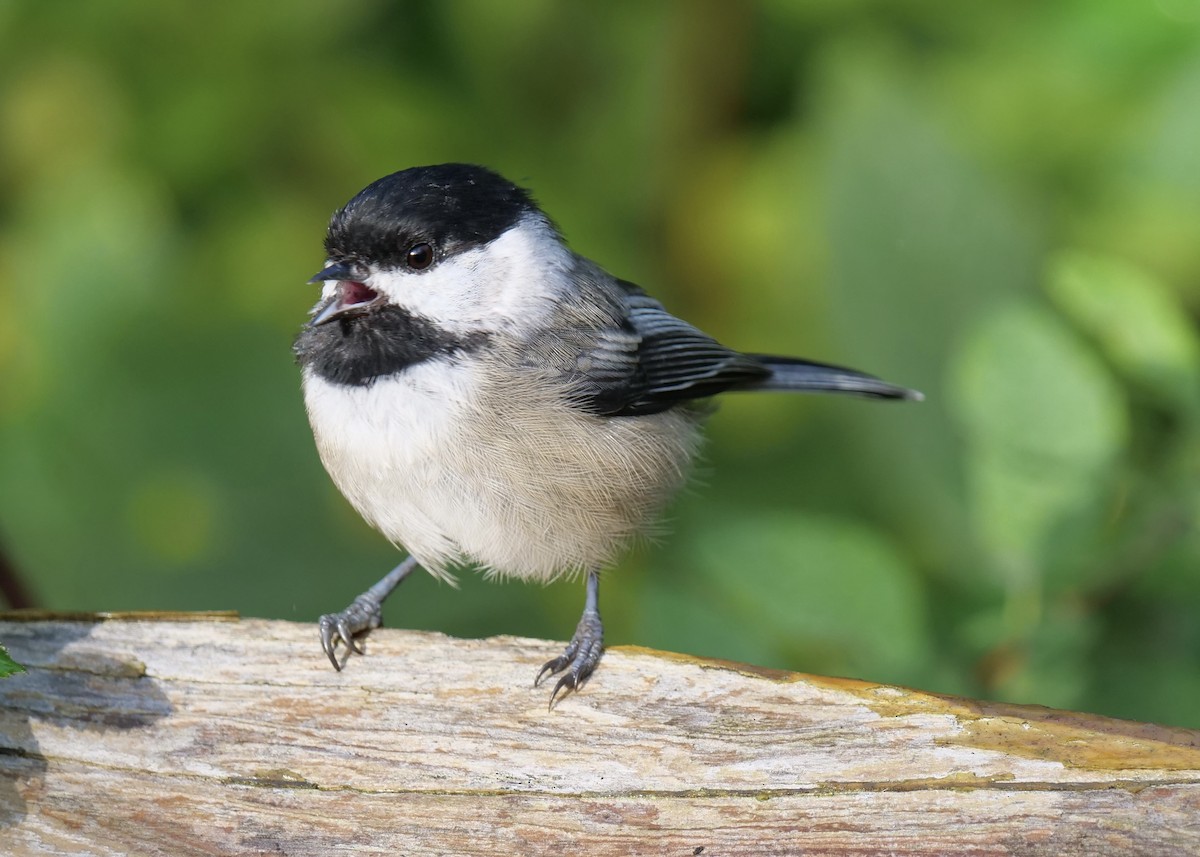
(579, 658)
(349, 626)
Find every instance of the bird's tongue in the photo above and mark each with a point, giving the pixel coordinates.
(354, 293)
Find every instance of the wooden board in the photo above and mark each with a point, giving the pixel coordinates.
(182, 735)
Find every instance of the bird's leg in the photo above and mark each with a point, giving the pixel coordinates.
(364, 613)
(583, 652)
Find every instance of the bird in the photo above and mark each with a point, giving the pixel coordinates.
(486, 397)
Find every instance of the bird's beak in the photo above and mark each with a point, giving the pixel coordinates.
(352, 295)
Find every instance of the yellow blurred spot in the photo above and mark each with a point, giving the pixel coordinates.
(172, 514)
(61, 112)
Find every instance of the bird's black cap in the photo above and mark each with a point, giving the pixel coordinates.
(451, 206)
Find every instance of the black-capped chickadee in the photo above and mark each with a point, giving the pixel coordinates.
(483, 395)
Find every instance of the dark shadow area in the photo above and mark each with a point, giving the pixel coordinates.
(13, 588)
(68, 687)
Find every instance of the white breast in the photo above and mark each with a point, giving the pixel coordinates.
(501, 472)
(385, 446)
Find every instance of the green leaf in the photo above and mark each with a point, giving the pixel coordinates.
(7, 665)
(833, 594)
(1044, 422)
(1053, 664)
(685, 618)
(1024, 382)
(1141, 326)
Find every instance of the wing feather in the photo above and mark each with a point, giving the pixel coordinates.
(656, 361)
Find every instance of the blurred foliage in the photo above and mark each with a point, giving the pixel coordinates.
(997, 203)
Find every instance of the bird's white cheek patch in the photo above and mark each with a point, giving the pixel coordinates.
(513, 281)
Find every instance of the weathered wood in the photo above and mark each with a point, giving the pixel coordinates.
(209, 737)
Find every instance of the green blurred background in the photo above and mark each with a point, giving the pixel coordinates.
(995, 202)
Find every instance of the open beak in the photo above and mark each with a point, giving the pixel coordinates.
(352, 296)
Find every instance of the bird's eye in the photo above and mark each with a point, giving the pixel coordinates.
(420, 256)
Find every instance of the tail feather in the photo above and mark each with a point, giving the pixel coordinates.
(792, 373)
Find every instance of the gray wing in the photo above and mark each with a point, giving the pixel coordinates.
(643, 360)
(653, 361)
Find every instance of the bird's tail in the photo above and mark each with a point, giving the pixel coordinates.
(792, 373)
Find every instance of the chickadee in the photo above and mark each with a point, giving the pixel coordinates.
(481, 394)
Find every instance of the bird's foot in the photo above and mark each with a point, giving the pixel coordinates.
(363, 615)
(578, 659)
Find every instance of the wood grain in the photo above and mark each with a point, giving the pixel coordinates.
(205, 735)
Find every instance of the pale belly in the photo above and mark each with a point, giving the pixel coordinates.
(515, 481)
